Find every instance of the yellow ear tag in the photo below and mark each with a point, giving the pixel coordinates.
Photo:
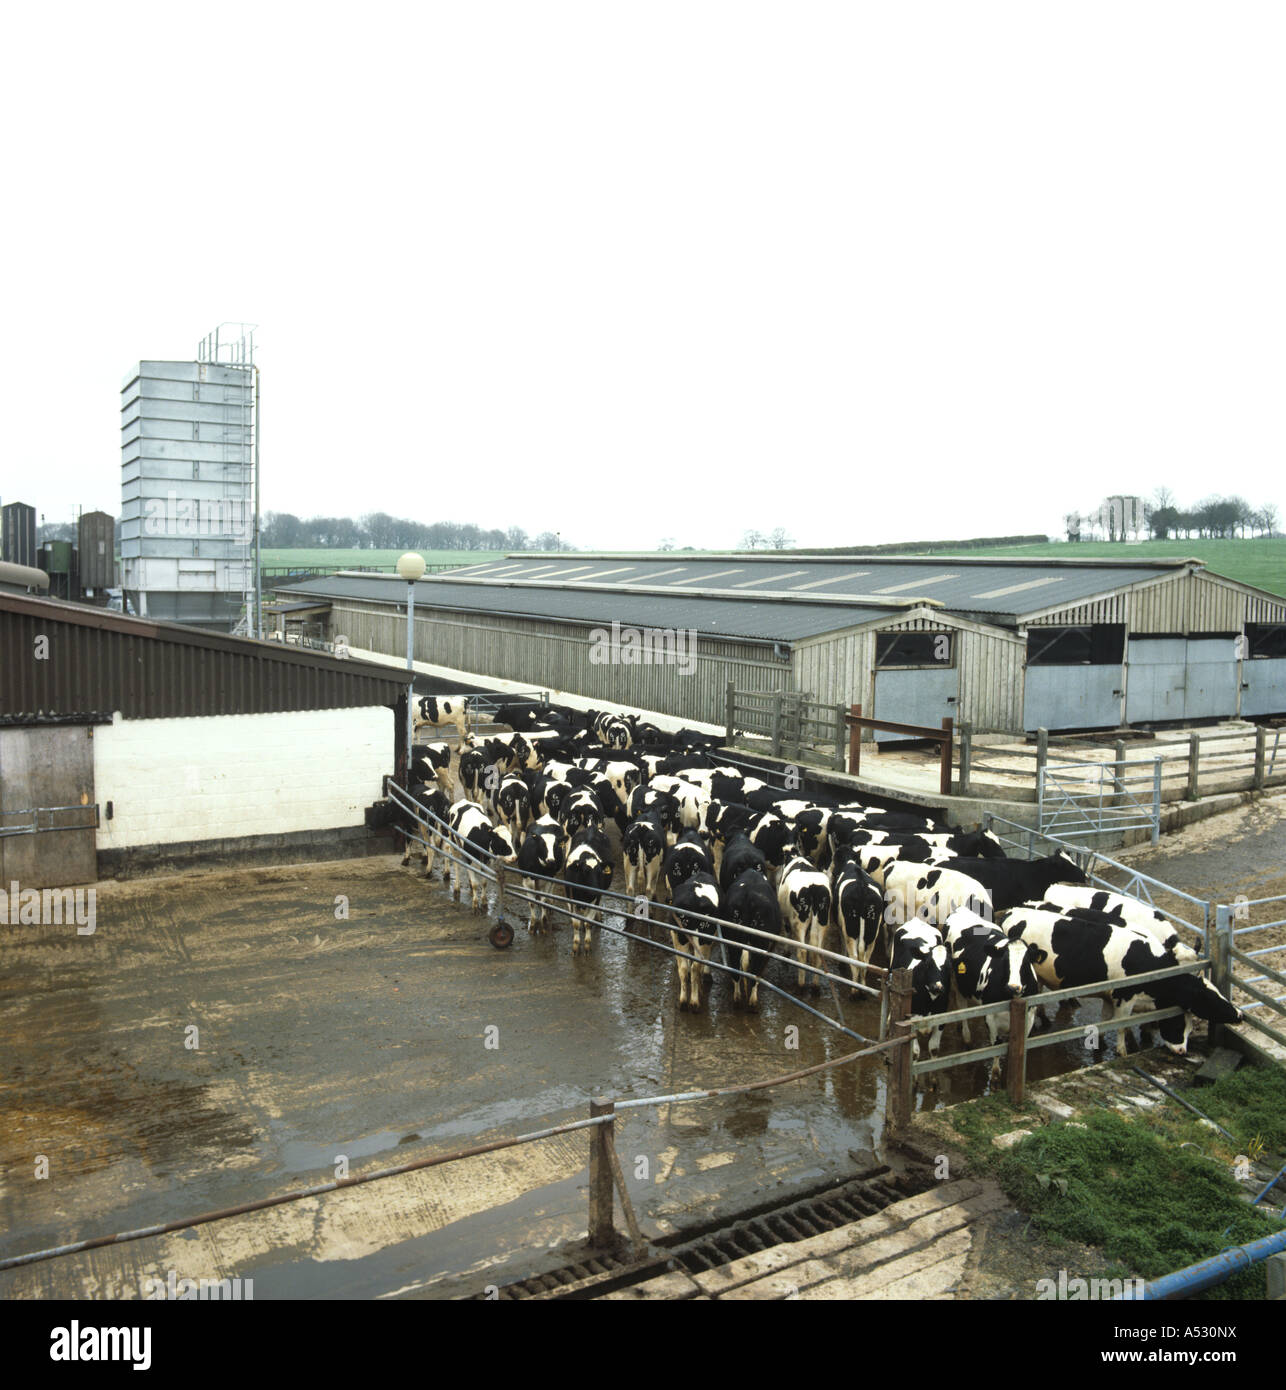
(960, 968)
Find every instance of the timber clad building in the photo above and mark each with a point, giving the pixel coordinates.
(1005, 645)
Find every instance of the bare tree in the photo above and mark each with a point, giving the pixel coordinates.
(1268, 512)
(753, 540)
(780, 539)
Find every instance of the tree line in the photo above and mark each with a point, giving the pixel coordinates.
(380, 531)
(1213, 518)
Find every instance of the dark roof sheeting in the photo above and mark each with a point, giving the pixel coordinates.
(713, 617)
(99, 660)
(960, 585)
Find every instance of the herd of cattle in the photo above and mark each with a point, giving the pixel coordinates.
(705, 841)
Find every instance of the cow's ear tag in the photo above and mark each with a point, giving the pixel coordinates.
(960, 969)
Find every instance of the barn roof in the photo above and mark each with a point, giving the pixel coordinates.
(98, 661)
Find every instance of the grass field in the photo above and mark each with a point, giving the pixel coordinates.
(1258, 562)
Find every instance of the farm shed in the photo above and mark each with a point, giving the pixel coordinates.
(1004, 644)
(126, 742)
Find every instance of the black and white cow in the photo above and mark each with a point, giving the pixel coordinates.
(582, 810)
(1013, 881)
(482, 843)
(645, 799)
(804, 896)
(433, 799)
(643, 848)
(699, 893)
(1087, 948)
(436, 711)
(859, 909)
(688, 855)
(1127, 912)
(990, 968)
(586, 876)
(511, 803)
(543, 852)
(919, 948)
(749, 901)
(738, 856)
(775, 837)
(692, 800)
(432, 762)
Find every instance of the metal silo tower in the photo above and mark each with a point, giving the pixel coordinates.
(189, 457)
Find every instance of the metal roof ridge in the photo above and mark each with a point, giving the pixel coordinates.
(1074, 562)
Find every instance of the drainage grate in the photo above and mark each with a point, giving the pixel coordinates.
(781, 1225)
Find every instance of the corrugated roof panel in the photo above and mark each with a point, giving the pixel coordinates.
(717, 617)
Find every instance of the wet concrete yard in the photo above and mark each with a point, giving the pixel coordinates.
(367, 1037)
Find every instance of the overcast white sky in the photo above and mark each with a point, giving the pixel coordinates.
(628, 271)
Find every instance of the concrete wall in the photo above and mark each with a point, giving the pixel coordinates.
(186, 780)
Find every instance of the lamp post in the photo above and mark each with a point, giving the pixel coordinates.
(410, 567)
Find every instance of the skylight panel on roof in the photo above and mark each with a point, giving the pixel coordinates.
(569, 569)
(705, 578)
(1018, 588)
(835, 579)
(923, 582)
(654, 574)
(768, 579)
(619, 569)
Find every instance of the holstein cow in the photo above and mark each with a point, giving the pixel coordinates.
(1086, 949)
(1127, 912)
(689, 855)
(586, 875)
(749, 902)
(699, 893)
(436, 711)
(739, 856)
(990, 968)
(643, 849)
(919, 948)
(804, 896)
(512, 804)
(482, 842)
(775, 838)
(859, 909)
(692, 800)
(432, 762)
(542, 852)
(432, 798)
(1014, 881)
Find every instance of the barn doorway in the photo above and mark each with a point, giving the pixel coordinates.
(48, 816)
(917, 680)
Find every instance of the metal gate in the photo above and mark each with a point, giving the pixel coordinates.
(1087, 802)
(925, 696)
(48, 816)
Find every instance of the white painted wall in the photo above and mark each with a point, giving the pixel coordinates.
(240, 774)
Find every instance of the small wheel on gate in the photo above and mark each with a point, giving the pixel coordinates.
(501, 935)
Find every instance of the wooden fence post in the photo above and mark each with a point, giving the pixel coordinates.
(602, 1234)
(1042, 752)
(855, 743)
(900, 1078)
(1261, 758)
(1118, 772)
(730, 713)
(1221, 962)
(1016, 1061)
(1194, 766)
(944, 766)
(966, 757)
(776, 723)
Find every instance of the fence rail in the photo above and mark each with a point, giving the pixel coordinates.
(791, 720)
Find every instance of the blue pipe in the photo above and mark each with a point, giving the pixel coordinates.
(1281, 1172)
(1199, 1277)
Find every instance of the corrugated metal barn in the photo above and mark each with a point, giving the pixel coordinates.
(127, 743)
(1006, 645)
